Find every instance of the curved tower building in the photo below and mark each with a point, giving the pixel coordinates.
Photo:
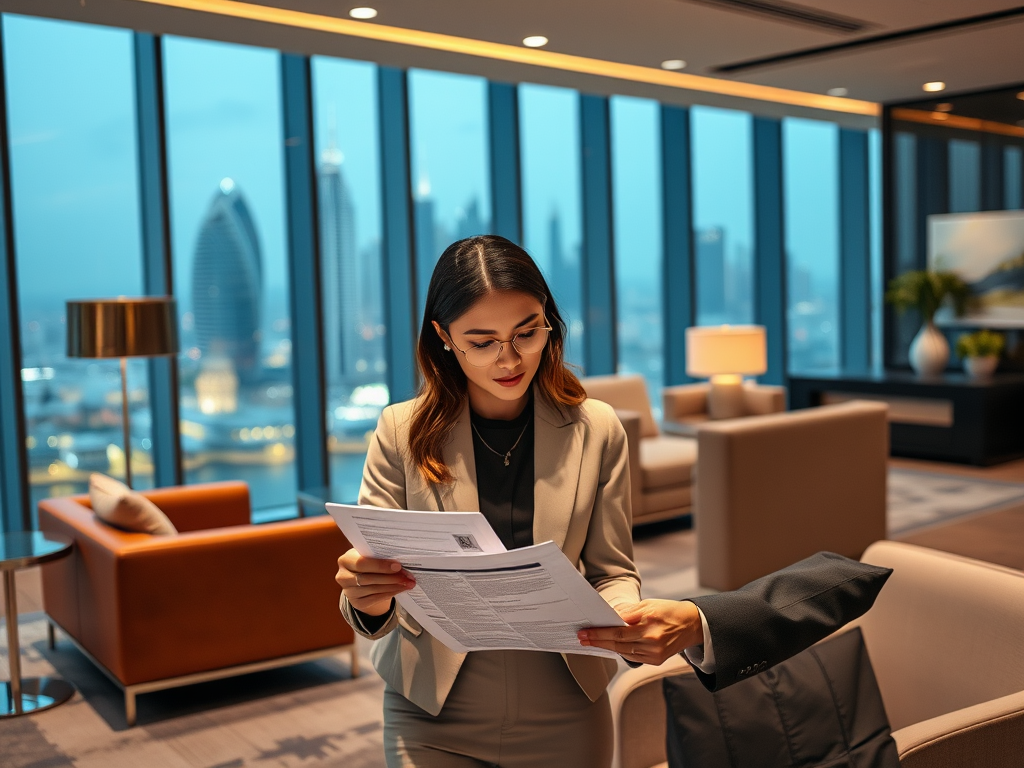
(227, 283)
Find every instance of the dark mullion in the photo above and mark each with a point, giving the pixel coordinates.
(678, 300)
(156, 249)
(309, 393)
(14, 490)
(770, 294)
(506, 186)
(599, 336)
(399, 264)
(854, 251)
(992, 174)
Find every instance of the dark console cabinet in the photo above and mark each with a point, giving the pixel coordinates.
(945, 418)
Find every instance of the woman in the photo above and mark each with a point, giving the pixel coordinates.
(503, 427)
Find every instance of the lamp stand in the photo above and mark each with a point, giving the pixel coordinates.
(125, 424)
(725, 399)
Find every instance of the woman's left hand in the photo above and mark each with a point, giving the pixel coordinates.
(655, 631)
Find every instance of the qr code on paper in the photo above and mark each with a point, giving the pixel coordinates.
(466, 542)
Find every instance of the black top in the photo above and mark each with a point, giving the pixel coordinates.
(506, 492)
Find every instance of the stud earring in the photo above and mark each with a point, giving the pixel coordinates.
(447, 348)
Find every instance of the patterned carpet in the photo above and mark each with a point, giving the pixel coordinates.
(921, 499)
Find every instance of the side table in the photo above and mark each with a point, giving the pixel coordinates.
(32, 694)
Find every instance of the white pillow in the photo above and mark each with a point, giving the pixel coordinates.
(118, 505)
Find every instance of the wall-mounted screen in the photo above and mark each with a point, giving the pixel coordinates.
(987, 251)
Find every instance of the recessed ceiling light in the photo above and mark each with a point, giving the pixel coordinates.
(837, 91)
(944, 107)
(535, 41)
(940, 116)
(363, 13)
(673, 64)
(934, 87)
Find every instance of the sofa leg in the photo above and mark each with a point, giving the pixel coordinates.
(354, 665)
(129, 707)
(51, 636)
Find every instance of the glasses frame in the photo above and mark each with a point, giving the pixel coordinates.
(501, 345)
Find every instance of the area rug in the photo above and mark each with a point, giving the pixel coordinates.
(922, 499)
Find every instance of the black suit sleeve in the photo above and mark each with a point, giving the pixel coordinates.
(779, 615)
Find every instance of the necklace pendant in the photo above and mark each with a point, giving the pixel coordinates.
(506, 457)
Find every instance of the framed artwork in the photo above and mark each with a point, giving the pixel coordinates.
(987, 251)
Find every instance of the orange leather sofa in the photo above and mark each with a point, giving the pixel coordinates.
(223, 597)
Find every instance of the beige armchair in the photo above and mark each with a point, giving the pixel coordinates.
(774, 489)
(660, 466)
(686, 405)
(944, 638)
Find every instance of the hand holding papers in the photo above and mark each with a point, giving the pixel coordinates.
(472, 594)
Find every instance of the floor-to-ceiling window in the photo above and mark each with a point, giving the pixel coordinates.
(964, 176)
(723, 214)
(347, 142)
(810, 152)
(449, 165)
(1013, 178)
(74, 183)
(549, 134)
(225, 172)
(637, 226)
(875, 234)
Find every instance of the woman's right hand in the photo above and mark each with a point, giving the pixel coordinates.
(371, 583)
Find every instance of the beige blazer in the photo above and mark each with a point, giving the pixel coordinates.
(581, 502)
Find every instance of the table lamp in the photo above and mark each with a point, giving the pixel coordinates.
(726, 353)
(123, 327)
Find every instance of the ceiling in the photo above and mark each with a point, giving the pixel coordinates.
(709, 35)
(889, 59)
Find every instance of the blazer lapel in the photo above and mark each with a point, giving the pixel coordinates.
(461, 495)
(558, 455)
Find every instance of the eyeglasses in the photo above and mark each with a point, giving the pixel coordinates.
(528, 342)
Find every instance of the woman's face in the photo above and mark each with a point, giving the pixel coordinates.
(498, 390)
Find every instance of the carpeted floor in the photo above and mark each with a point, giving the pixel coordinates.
(315, 715)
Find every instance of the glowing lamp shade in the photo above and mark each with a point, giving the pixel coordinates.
(726, 349)
(725, 354)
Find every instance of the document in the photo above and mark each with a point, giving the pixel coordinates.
(472, 594)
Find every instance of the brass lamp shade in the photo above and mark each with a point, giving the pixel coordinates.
(122, 327)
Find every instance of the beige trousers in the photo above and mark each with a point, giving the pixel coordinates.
(513, 709)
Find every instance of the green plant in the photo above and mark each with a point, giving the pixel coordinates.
(980, 344)
(925, 291)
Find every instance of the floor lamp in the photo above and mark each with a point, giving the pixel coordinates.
(123, 327)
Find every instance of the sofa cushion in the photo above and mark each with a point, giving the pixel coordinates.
(118, 505)
(666, 461)
(820, 708)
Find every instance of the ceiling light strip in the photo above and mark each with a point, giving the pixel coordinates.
(947, 120)
(518, 55)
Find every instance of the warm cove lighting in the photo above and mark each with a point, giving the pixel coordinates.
(535, 41)
(363, 13)
(1021, 95)
(517, 54)
(673, 64)
(934, 87)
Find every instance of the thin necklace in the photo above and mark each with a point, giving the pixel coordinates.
(499, 453)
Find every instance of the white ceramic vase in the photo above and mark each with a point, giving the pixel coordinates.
(981, 367)
(929, 351)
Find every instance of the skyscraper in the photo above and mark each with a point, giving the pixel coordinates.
(711, 271)
(227, 283)
(342, 286)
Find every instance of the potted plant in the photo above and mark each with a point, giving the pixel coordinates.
(926, 291)
(980, 351)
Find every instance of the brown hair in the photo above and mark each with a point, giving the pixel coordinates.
(467, 271)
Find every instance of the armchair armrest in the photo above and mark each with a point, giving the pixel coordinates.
(638, 713)
(987, 735)
(761, 399)
(684, 400)
(631, 423)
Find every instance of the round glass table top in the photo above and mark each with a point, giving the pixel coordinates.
(25, 548)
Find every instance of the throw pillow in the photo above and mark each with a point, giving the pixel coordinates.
(118, 505)
(820, 708)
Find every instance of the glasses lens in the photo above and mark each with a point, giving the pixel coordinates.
(483, 354)
(531, 341)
